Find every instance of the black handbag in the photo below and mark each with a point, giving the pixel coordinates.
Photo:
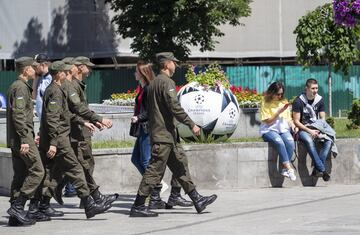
(134, 129)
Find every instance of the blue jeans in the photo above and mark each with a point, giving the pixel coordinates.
(318, 158)
(69, 189)
(141, 153)
(283, 142)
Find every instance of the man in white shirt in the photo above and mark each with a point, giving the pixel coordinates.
(41, 82)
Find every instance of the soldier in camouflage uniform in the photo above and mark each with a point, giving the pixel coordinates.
(27, 165)
(55, 143)
(166, 149)
(81, 136)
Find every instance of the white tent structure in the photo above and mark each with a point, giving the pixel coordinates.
(73, 27)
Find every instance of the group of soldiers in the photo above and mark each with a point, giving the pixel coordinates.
(61, 151)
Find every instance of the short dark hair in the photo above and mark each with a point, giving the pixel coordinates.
(162, 64)
(20, 69)
(41, 58)
(311, 81)
(53, 72)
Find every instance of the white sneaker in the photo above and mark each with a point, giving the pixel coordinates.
(285, 173)
(291, 174)
(164, 187)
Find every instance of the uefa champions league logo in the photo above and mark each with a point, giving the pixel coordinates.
(199, 99)
(232, 113)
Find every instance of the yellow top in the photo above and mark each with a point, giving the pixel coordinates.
(268, 109)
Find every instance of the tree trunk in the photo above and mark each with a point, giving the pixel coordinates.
(330, 89)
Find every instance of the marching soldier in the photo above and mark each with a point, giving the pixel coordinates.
(27, 165)
(81, 136)
(55, 141)
(166, 149)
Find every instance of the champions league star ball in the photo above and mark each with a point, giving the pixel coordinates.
(215, 110)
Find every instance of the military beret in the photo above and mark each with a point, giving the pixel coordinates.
(25, 61)
(83, 60)
(165, 56)
(41, 58)
(68, 60)
(59, 66)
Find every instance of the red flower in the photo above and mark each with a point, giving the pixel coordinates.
(178, 88)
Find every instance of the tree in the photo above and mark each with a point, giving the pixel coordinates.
(319, 39)
(174, 25)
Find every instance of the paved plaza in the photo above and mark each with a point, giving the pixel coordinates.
(324, 210)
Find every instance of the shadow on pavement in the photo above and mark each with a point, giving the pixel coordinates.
(64, 219)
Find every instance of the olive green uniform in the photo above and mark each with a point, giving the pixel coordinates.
(55, 130)
(81, 136)
(166, 149)
(28, 168)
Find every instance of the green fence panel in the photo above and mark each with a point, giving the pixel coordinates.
(344, 88)
(6, 78)
(102, 83)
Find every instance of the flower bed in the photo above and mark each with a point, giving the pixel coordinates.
(246, 98)
(123, 99)
(212, 76)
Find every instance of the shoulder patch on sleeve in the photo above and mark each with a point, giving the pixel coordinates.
(74, 97)
(53, 105)
(172, 93)
(19, 102)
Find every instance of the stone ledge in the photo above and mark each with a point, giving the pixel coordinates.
(248, 126)
(230, 165)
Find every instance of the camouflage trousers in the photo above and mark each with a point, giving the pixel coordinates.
(28, 172)
(64, 165)
(162, 155)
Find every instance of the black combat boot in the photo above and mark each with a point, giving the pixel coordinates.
(175, 199)
(140, 210)
(107, 200)
(200, 202)
(16, 212)
(57, 194)
(155, 199)
(13, 222)
(46, 208)
(91, 208)
(35, 213)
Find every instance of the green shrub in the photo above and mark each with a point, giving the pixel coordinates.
(212, 76)
(331, 121)
(354, 115)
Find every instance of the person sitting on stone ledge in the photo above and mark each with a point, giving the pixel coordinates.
(276, 124)
(307, 108)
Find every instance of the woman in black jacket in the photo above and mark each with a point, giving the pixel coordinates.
(141, 153)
